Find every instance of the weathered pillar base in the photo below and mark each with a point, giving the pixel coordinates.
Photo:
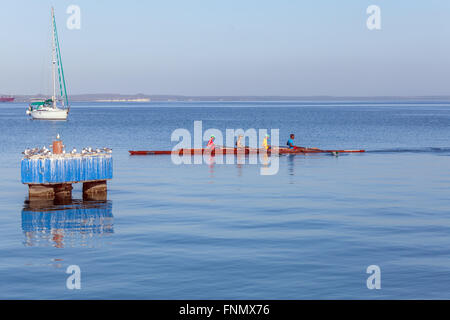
(39, 191)
(95, 190)
(50, 191)
(95, 197)
(63, 191)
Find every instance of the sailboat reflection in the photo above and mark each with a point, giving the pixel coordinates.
(66, 223)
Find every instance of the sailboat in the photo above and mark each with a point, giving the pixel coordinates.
(48, 109)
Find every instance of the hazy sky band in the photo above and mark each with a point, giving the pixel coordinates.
(211, 47)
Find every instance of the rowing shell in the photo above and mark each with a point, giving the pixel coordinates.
(237, 151)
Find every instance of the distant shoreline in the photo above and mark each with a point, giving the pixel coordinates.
(141, 98)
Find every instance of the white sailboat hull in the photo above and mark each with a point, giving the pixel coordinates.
(49, 114)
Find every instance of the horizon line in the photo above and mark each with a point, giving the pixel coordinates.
(233, 96)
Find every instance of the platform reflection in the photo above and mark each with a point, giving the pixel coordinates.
(67, 223)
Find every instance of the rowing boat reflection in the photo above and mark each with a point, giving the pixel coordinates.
(67, 223)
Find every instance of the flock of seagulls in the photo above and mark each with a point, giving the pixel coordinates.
(90, 150)
(37, 152)
(45, 152)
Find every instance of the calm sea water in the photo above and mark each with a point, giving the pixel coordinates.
(225, 231)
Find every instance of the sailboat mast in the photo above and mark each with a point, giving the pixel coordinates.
(53, 60)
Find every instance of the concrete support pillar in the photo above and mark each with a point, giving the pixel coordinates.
(50, 191)
(63, 191)
(95, 190)
(40, 191)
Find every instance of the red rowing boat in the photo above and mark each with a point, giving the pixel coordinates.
(236, 151)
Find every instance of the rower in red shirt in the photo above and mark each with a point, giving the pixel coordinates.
(211, 144)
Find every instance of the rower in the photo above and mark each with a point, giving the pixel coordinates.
(265, 143)
(290, 142)
(239, 142)
(211, 144)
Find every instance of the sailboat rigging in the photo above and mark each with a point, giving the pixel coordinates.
(48, 109)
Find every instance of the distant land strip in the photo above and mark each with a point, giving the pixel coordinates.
(140, 98)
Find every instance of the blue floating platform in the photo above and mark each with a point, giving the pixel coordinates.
(66, 169)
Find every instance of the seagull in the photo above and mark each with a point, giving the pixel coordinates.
(74, 151)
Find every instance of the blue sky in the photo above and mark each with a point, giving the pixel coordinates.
(229, 47)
